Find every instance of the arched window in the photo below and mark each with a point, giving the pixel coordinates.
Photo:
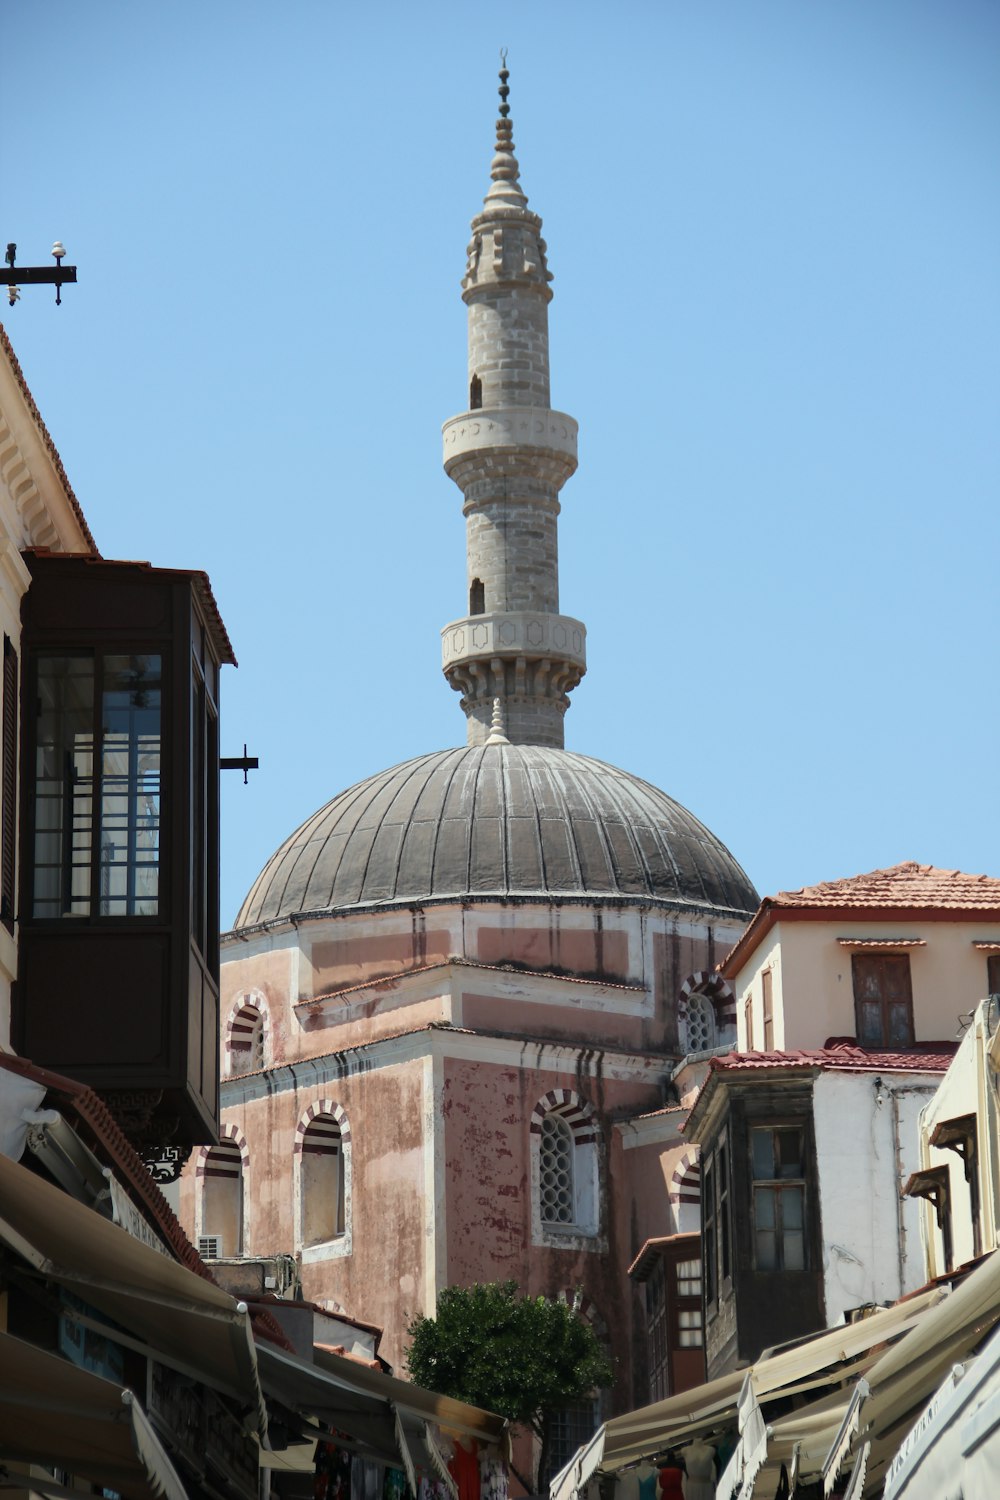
(566, 1166)
(246, 1040)
(706, 1012)
(701, 1029)
(321, 1182)
(475, 393)
(222, 1202)
(477, 597)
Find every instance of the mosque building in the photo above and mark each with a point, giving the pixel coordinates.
(455, 999)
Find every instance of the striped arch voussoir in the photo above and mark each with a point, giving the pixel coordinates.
(577, 1113)
(585, 1309)
(315, 1110)
(251, 1000)
(229, 1135)
(685, 1184)
(716, 989)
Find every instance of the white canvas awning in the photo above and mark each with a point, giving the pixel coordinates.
(813, 1364)
(55, 1414)
(384, 1418)
(179, 1318)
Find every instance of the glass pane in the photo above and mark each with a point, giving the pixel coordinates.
(792, 1203)
(764, 1207)
(788, 1149)
(130, 786)
(794, 1250)
(762, 1150)
(766, 1258)
(63, 792)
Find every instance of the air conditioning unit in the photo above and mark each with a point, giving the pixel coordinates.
(210, 1246)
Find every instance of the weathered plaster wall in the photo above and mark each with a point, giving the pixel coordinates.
(867, 1144)
(489, 1187)
(382, 1280)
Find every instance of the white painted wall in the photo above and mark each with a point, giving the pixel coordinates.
(813, 988)
(867, 1144)
(970, 1086)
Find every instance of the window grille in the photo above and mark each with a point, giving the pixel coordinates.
(557, 1194)
(209, 1246)
(571, 1428)
(700, 1023)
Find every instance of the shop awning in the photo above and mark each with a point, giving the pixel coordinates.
(384, 1418)
(55, 1414)
(813, 1364)
(903, 1379)
(179, 1318)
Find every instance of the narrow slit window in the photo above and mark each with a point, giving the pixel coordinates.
(477, 597)
(475, 393)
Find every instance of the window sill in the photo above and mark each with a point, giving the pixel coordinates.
(335, 1249)
(572, 1237)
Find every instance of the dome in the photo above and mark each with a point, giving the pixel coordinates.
(498, 821)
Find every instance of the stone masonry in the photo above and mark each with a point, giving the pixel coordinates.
(510, 454)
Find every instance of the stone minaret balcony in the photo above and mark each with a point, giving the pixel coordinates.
(510, 454)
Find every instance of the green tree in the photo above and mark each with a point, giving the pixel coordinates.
(524, 1358)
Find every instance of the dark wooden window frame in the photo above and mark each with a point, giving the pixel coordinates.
(780, 1187)
(717, 1250)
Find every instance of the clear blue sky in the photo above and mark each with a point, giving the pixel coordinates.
(774, 228)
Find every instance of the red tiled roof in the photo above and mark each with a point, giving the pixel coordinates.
(43, 433)
(642, 1265)
(908, 884)
(909, 891)
(845, 1057)
(840, 1054)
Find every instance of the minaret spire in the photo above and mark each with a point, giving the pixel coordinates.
(510, 454)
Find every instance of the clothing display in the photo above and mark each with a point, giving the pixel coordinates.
(464, 1469)
(492, 1479)
(628, 1485)
(699, 1481)
(646, 1475)
(672, 1482)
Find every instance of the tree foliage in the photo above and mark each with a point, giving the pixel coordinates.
(521, 1357)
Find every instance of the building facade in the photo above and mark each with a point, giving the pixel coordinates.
(849, 996)
(454, 999)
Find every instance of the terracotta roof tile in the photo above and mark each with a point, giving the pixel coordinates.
(909, 891)
(843, 1056)
(905, 885)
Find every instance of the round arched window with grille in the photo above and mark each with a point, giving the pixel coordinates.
(556, 1171)
(700, 1023)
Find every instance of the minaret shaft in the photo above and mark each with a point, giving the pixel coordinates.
(510, 454)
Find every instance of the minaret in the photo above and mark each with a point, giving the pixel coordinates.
(510, 454)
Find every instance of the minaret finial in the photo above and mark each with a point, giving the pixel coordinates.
(504, 169)
(504, 90)
(498, 728)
